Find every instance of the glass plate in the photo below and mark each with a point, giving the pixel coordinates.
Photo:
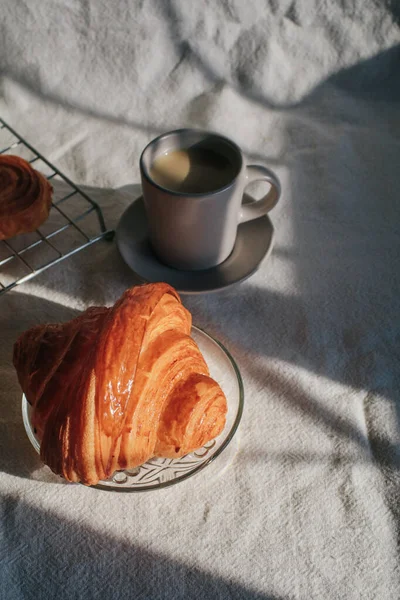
(161, 472)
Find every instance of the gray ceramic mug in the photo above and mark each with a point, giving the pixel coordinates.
(194, 231)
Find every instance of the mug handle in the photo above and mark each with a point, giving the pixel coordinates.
(261, 207)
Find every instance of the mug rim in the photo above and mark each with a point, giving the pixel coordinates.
(146, 174)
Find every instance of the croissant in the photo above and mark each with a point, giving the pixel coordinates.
(116, 386)
(25, 197)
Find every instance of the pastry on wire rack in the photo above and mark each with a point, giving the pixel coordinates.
(25, 197)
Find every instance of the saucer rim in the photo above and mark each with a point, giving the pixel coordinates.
(179, 289)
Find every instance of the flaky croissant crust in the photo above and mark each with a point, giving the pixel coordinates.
(117, 386)
(25, 197)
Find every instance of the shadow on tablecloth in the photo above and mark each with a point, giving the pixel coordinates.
(46, 552)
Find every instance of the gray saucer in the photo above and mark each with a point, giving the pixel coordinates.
(253, 244)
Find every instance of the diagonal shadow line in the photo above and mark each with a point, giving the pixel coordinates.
(344, 78)
(377, 449)
(56, 99)
(304, 403)
(99, 564)
(153, 130)
(298, 457)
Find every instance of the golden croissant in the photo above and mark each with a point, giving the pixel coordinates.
(25, 197)
(116, 386)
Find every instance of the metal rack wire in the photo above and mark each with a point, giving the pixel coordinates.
(78, 224)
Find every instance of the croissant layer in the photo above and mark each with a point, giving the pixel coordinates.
(116, 386)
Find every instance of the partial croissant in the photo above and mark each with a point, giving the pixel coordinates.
(116, 386)
(25, 197)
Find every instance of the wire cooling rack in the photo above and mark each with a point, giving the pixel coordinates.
(75, 220)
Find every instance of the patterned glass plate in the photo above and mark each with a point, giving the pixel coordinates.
(161, 472)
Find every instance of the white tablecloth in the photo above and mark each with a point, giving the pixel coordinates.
(306, 504)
